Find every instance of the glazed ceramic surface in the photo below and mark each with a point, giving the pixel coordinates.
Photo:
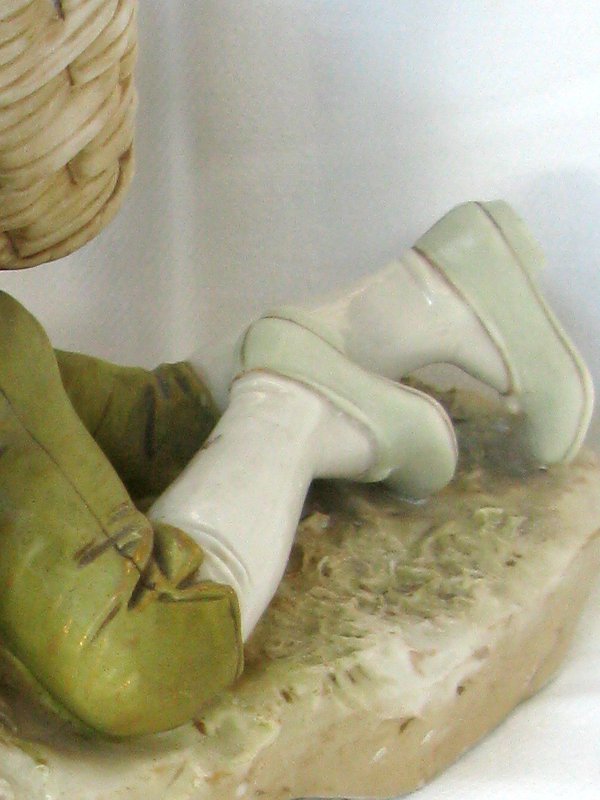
(306, 146)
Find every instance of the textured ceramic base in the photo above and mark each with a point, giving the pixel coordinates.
(400, 636)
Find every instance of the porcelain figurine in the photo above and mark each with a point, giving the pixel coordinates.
(127, 623)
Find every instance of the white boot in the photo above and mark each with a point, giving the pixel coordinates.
(465, 294)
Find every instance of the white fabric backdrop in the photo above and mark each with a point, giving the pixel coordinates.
(287, 147)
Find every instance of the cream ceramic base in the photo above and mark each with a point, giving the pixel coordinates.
(400, 635)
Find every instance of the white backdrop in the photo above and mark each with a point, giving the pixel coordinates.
(287, 147)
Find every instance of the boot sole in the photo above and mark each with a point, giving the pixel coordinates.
(487, 254)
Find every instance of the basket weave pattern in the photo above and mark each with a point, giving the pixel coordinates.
(67, 107)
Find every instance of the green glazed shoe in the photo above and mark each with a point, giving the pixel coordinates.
(149, 424)
(489, 256)
(98, 611)
(416, 450)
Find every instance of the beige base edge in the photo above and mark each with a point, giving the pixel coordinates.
(362, 756)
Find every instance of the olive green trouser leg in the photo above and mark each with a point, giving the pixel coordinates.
(149, 424)
(98, 611)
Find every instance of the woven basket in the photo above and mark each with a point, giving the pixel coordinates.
(67, 107)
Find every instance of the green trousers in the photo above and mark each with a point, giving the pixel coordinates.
(101, 617)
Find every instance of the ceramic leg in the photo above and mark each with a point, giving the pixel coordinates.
(100, 617)
(241, 497)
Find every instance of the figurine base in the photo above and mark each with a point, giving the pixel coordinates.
(400, 636)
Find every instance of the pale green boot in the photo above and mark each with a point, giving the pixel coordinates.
(414, 445)
(98, 611)
(473, 279)
(487, 253)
